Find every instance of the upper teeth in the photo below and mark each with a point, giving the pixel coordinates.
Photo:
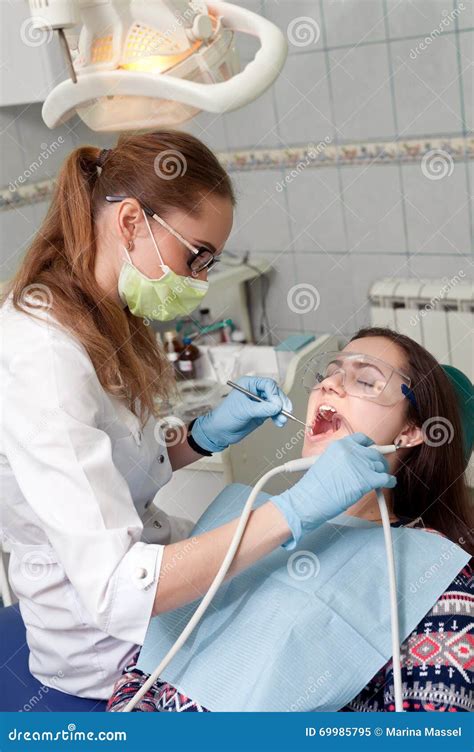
(324, 409)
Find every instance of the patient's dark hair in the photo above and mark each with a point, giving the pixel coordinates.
(431, 481)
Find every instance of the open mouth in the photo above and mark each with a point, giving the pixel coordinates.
(326, 422)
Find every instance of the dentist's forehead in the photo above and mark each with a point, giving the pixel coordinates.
(211, 225)
(379, 347)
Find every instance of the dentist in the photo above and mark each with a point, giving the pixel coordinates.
(130, 236)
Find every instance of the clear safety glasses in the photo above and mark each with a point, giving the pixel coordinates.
(360, 375)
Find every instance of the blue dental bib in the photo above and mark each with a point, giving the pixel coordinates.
(303, 630)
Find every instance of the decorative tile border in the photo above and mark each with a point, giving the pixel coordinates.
(322, 154)
(327, 154)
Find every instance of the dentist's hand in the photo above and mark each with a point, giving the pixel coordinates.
(238, 415)
(348, 469)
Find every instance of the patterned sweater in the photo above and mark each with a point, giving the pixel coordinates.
(437, 659)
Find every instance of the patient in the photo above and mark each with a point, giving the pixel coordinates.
(436, 437)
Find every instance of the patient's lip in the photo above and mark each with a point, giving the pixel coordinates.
(325, 409)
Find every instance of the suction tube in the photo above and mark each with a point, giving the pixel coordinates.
(291, 467)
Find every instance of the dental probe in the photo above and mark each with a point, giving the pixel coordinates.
(260, 399)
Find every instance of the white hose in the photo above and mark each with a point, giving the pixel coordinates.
(292, 466)
(392, 584)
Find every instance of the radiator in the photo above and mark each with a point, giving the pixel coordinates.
(437, 313)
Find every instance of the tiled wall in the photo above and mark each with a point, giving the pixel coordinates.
(355, 75)
(342, 226)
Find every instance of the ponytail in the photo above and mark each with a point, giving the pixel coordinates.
(61, 258)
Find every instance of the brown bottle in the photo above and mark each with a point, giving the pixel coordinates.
(187, 359)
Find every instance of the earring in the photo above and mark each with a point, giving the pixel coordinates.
(130, 245)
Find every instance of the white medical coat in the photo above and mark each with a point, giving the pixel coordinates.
(76, 474)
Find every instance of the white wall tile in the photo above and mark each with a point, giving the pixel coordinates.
(373, 209)
(261, 219)
(253, 125)
(426, 87)
(412, 17)
(282, 278)
(24, 72)
(299, 20)
(330, 275)
(11, 163)
(316, 211)
(36, 137)
(466, 16)
(425, 266)
(210, 128)
(302, 99)
(361, 85)
(82, 135)
(247, 45)
(466, 48)
(470, 193)
(17, 229)
(437, 211)
(353, 21)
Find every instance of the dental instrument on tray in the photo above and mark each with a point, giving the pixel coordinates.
(261, 399)
(148, 64)
(298, 465)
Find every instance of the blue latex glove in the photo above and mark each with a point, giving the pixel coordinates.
(239, 415)
(348, 469)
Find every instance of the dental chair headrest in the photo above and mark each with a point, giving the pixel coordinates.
(464, 391)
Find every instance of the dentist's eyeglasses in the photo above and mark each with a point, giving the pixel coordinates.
(203, 258)
(361, 376)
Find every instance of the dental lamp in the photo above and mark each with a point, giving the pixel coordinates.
(146, 64)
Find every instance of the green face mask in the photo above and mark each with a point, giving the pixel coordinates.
(162, 299)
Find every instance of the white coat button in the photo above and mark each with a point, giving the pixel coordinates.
(161, 458)
(141, 573)
(157, 524)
